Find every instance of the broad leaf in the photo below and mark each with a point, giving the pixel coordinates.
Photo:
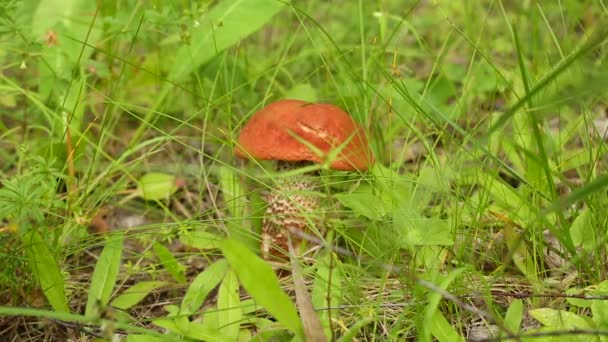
(327, 290)
(148, 338)
(234, 196)
(582, 232)
(105, 275)
(578, 302)
(229, 306)
(303, 92)
(225, 25)
(599, 308)
(560, 319)
(156, 186)
(442, 330)
(514, 315)
(202, 285)
(363, 203)
(136, 293)
(260, 281)
(427, 324)
(415, 229)
(203, 333)
(46, 270)
(522, 258)
(174, 267)
(200, 239)
(65, 26)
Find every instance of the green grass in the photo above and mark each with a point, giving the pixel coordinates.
(123, 209)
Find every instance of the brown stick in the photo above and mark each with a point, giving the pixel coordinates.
(313, 329)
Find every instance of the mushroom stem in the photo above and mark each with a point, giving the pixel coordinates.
(288, 207)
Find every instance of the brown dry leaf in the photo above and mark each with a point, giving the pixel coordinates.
(99, 224)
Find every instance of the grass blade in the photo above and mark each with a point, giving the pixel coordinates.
(581, 193)
(351, 334)
(69, 317)
(596, 39)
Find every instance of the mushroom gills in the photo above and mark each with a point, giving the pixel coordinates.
(289, 209)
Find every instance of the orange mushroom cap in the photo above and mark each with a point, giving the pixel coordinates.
(277, 132)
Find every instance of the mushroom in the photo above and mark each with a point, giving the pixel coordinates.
(295, 134)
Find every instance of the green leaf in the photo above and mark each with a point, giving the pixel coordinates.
(200, 239)
(225, 25)
(578, 302)
(105, 275)
(363, 203)
(229, 306)
(303, 92)
(270, 331)
(514, 315)
(582, 232)
(431, 181)
(27, 198)
(599, 308)
(442, 330)
(175, 269)
(520, 254)
(147, 338)
(235, 198)
(203, 333)
(560, 319)
(71, 23)
(417, 230)
(427, 325)
(258, 278)
(327, 290)
(505, 196)
(179, 323)
(234, 194)
(46, 270)
(485, 79)
(600, 289)
(202, 285)
(136, 293)
(249, 306)
(167, 323)
(73, 16)
(156, 186)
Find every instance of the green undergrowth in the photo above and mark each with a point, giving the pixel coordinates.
(124, 212)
